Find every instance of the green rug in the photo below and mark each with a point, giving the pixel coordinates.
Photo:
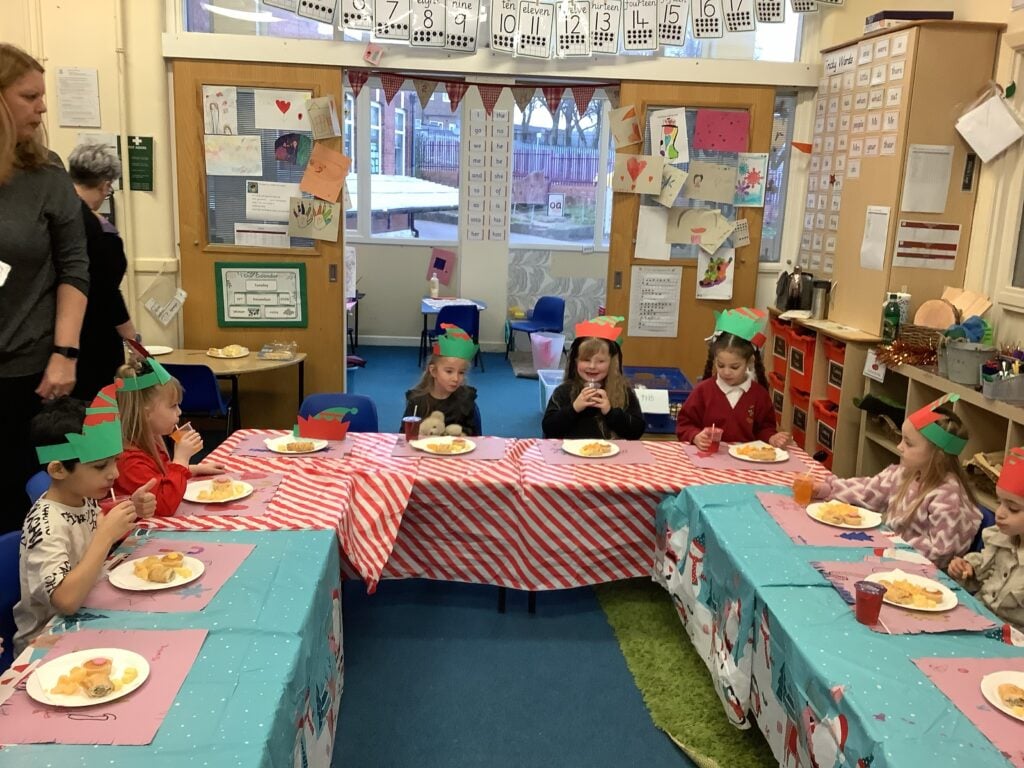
(674, 682)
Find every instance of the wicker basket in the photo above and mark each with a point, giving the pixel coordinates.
(920, 336)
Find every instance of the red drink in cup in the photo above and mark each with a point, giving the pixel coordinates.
(411, 427)
(868, 601)
(715, 433)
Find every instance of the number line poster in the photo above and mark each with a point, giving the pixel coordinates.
(654, 301)
(261, 295)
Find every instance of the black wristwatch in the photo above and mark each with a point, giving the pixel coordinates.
(71, 353)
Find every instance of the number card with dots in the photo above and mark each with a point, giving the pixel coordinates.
(463, 21)
(536, 23)
(572, 30)
(318, 10)
(504, 25)
(284, 5)
(770, 11)
(831, 2)
(427, 24)
(605, 20)
(391, 19)
(640, 25)
(739, 15)
(804, 6)
(357, 14)
(673, 16)
(708, 18)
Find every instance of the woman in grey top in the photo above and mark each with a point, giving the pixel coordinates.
(44, 274)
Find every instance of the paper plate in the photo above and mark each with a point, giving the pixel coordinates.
(193, 489)
(990, 690)
(42, 681)
(948, 602)
(581, 448)
(216, 352)
(869, 519)
(123, 576)
(158, 350)
(780, 455)
(442, 446)
(277, 444)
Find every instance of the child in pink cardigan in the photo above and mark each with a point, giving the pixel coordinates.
(924, 498)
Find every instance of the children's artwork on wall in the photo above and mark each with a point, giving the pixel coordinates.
(293, 148)
(710, 181)
(316, 219)
(750, 179)
(280, 110)
(325, 174)
(691, 225)
(639, 174)
(442, 263)
(220, 109)
(722, 131)
(323, 117)
(715, 274)
(668, 131)
(625, 125)
(672, 180)
(233, 156)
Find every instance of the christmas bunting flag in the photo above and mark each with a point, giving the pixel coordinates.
(456, 90)
(583, 95)
(489, 95)
(357, 79)
(523, 97)
(424, 90)
(553, 96)
(391, 84)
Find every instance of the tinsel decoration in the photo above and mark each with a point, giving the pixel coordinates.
(902, 353)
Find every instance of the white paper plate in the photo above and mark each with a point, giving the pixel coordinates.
(780, 455)
(870, 519)
(155, 350)
(576, 448)
(42, 681)
(437, 446)
(277, 444)
(216, 352)
(123, 576)
(949, 600)
(193, 489)
(990, 689)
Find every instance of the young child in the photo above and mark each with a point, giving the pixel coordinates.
(924, 498)
(595, 400)
(997, 572)
(149, 400)
(443, 384)
(65, 539)
(729, 397)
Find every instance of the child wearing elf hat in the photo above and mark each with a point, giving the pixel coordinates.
(732, 397)
(443, 384)
(65, 539)
(150, 400)
(924, 498)
(595, 399)
(997, 572)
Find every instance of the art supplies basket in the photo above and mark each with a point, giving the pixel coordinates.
(963, 360)
(920, 336)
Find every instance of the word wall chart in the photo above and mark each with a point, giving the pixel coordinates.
(489, 175)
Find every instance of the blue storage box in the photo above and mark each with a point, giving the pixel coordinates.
(672, 379)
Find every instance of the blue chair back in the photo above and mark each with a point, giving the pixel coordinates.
(10, 592)
(549, 312)
(466, 316)
(988, 518)
(202, 390)
(37, 485)
(364, 420)
(478, 427)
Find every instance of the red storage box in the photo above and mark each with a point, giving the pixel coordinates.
(777, 389)
(801, 359)
(780, 347)
(801, 408)
(835, 355)
(827, 414)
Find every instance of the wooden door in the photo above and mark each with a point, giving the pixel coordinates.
(267, 399)
(687, 350)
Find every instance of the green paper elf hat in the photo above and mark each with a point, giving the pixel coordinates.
(151, 374)
(746, 322)
(603, 327)
(455, 342)
(100, 437)
(329, 424)
(926, 421)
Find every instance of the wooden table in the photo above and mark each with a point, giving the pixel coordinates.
(232, 368)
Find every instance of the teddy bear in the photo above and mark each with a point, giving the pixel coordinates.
(434, 425)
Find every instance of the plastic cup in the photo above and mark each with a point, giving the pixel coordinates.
(715, 433)
(592, 385)
(803, 490)
(181, 431)
(868, 601)
(411, 427)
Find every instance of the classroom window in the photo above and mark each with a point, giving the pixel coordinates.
(778, 177)
(349, 127)
(375, 122)
(399, 142)
(251, 17)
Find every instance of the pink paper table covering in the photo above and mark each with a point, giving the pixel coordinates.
(265, 485)
(793, 519)
(901, 621)
(630, 452)
(960, 680)
(487, 449)
(131, 720)
(221, 561)
(254, 445)
(722, 460)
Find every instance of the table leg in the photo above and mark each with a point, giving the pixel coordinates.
(412, 224)
(501, 599)
(355, 312)
(302, 382)
(531, 602)
(234, 401)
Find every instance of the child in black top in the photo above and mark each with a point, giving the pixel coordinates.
(442, 387)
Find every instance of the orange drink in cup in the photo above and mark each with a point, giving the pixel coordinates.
(803, 490)
(181, 431)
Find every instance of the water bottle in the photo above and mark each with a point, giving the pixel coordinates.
(891, 319)
(435, 286)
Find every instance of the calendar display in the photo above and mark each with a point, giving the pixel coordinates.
(605, 21)
(672, 18)
(708, 19)
(536, 21)
(739, 15)
(391, 19)
(770, 11)
(572, 31)
(357, 14)
(461, 25)
(640, 25)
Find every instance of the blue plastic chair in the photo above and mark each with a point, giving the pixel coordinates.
(478, 427)
(548, 315)
(202, 393)
(988, 518)
(10, 592)
(364, 420)
(466, 316)
(37, 485)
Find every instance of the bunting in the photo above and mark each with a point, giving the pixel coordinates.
(583, 95)
(523, 96)
(356, 80)
(613, 96)
(392, 84)
(456, 90)
(489, 95)
(424, 90)
(553, 96)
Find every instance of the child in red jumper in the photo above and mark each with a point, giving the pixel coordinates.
(729, 397)
(149, 403)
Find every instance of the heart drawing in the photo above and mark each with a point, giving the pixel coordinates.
(634, 167)
(283, 105)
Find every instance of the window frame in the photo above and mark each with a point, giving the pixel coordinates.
(400, 135)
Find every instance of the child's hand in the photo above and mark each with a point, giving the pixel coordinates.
(821, 490)
(780, 439)
(703, 439)
(144, 501)
(960, 569)
(117, 523)
(599, 399)
(189, 445)
(584, 400)
(208, 468)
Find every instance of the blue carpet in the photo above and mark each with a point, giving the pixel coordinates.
(436, 677)
(509, 406)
